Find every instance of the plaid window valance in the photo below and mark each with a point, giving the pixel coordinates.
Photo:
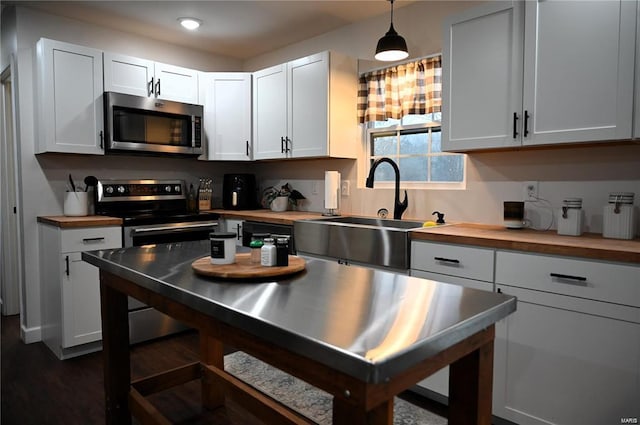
(410, 88)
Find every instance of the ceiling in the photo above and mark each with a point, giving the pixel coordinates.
(238, 29)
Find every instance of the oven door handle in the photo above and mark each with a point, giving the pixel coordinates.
(171, 229)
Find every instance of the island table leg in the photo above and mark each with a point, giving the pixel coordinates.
(212, 354)
(115, 352)
(471, 386)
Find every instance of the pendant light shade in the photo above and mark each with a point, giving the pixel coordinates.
(392, 46)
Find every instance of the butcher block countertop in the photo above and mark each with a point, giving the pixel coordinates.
(268, 216)
(65, 222)
(589, 245)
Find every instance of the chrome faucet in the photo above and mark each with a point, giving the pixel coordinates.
(398, 207)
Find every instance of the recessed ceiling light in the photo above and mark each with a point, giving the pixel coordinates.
(190, 23)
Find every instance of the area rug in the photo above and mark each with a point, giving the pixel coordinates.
(307, 399)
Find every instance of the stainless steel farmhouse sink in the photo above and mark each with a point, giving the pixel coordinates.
(366, 240)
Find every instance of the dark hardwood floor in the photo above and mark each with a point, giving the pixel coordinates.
(38, 389)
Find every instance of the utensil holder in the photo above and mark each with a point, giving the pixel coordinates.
(76, 204)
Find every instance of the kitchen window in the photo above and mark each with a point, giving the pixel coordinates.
(400, 109)
(414, 143)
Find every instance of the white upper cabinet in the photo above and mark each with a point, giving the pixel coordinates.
(270, 112)
(482, 77)
(141, 77)
(578, 68)
(306, 108)
(70, 110)
(227, 115)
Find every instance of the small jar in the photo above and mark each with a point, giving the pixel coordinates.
(256, 250)
(570, 217)
(282, 252)
(268, 253)
(223, 247)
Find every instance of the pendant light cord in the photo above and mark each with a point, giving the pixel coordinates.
(391, 1)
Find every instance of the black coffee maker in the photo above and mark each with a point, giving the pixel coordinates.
(239, 192)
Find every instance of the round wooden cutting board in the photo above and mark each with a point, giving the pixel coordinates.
(243, 268)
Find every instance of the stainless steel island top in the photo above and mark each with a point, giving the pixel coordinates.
(367, 323)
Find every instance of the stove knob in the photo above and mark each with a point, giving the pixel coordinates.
(121, 189)
(167, 189)
(109, 190)
(176, 189)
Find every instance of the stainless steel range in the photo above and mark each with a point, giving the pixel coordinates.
(153, 212)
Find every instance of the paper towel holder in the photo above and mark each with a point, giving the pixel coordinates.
(331, 193)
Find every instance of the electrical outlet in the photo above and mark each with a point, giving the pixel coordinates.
(345, 189)
(314, 187)
(530, 191)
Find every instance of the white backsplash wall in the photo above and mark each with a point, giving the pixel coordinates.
(587, 172)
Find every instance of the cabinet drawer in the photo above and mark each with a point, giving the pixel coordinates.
(91, 238)
(608, 282)
(454, 260)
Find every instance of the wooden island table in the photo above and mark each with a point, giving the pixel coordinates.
(360, 334)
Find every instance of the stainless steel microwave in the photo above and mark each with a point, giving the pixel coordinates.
(138, 124)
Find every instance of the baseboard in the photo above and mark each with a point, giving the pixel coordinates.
(30, 335)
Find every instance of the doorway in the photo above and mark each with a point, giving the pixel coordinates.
(10, 246)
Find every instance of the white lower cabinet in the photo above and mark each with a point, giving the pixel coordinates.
(71, 319)
(235, 226)
(570, 353)
(567, 359)
(469, 267)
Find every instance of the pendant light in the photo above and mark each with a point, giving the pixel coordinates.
(392, 46)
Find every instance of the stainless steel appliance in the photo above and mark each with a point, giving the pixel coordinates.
(250, 228)
(239, 192)
(153, 212)
(148, 125)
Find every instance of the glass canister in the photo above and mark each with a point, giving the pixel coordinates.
(618, 220)
(570, 217)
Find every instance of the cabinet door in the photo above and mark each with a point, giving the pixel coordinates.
(558, 364)
(270, 112)
(439, 381)
(176, 83)
(80, 301)
(578, 70)
(70, 111)
(227, 110)
(308, 92)
(482, 78)
(234, 226)
(128, 75)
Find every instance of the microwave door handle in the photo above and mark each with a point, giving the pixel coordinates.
(150, 87)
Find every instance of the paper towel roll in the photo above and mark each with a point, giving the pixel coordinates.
(331, 189)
